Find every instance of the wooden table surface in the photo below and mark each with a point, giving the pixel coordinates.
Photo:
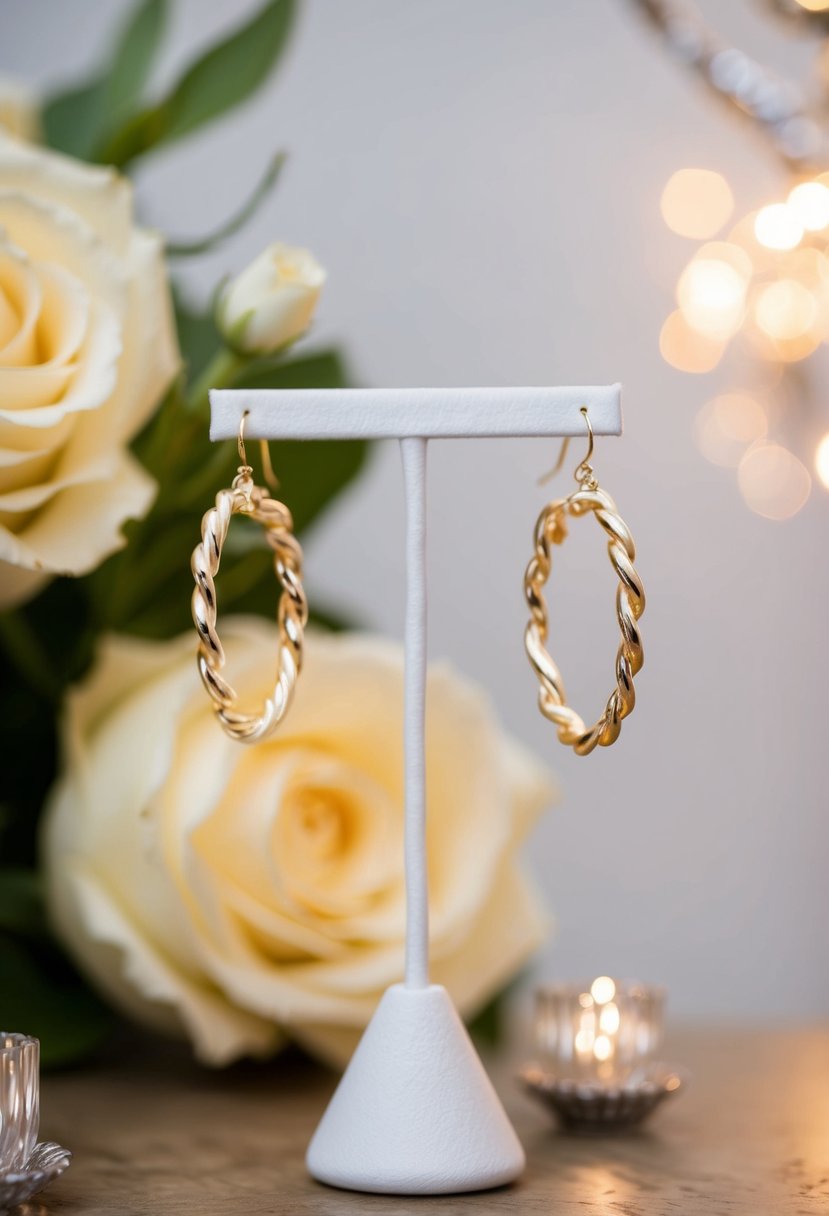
(155, 1134)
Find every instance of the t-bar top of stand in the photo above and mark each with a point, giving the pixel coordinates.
(428, 413)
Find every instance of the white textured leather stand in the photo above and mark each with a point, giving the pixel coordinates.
(415, 1112)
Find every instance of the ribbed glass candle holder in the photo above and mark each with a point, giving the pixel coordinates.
(19, 1099)
(602, 1030)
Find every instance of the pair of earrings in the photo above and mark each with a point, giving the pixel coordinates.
(246, 498)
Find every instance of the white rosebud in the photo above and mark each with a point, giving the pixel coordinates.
(19, 109)
(272, 301)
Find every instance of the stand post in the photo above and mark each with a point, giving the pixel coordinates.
(415, 1113)
(413, 452)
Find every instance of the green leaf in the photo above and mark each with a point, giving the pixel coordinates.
(322, 369)
(26, 652)
(189, 249)
(21, 903)
(231, 71)
(489, 1024)
(72, 119)
(135, 53)
(217, 82)
(41, 995)
(40, 992)
(77, 120)
(54, 632)
(198, 337)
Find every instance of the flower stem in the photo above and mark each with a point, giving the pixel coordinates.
(220, 372)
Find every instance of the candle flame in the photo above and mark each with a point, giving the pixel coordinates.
(609, 1019)
(603, 989)
(603, 1047)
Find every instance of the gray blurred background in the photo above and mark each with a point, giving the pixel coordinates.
(482, 181)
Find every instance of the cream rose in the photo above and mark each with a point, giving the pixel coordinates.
(87, 348)
(272, 301)
(235, 895)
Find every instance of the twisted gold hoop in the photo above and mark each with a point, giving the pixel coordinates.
(551, 529)
(246, 498)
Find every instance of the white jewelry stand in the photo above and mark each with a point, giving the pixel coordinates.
(415, 1112)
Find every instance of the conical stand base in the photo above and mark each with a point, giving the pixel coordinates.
(415, 1112)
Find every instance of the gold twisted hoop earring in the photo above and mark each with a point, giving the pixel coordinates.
(246, 498)
(551, 529)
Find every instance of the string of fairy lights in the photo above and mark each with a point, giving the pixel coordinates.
(757, 284)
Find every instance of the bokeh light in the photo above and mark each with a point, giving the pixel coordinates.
(686, 349)
(744, 236)
(810, 203)
(711, 295)
(814, 6)
(822, 460)
(727, 425)
(808, 265)
(778, 226)
(726, 251)
(773, 482)
(785, 310)
(696, 203)
(766, 283)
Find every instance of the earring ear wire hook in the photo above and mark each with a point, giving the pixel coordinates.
(267, 466)
(265, 452)
(583, 469)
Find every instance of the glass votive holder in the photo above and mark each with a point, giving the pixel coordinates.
(595, 1066)
(19, 1099)
(602, 1030)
